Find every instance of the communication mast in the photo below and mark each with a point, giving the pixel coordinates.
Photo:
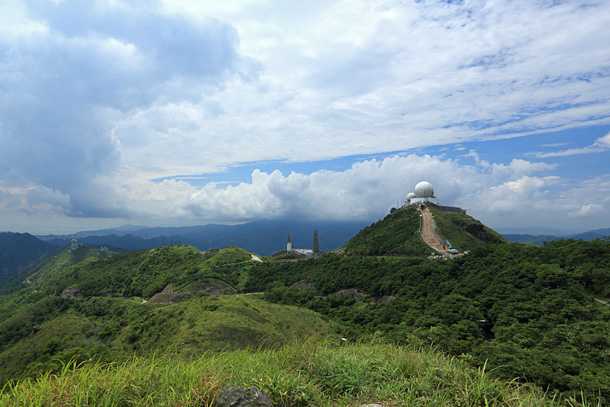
(316, 245)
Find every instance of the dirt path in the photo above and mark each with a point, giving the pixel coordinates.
(428, 231)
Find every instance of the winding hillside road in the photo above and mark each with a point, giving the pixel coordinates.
(428, 230)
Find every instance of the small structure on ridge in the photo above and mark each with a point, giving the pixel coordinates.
(423, 194)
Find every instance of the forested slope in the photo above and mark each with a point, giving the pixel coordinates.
(535, 313)
(531, 312)
(397, 234)
(105, 317)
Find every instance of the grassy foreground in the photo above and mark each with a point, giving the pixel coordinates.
(321, 374)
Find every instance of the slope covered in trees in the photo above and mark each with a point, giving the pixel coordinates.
(538, 314)
(530, 312)
(397, 234)
(105, 318)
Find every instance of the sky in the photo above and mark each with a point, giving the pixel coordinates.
(187, 112)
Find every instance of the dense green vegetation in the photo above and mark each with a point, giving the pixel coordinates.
(134, 274)
(301, 374)
(532, 314)
(451, 227)
(53, 331)
(397, 234)
(40, 330)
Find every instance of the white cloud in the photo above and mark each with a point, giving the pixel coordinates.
(45, 195)
(528, 185)
(590, 210)
(366, 191)
(388, 76)
(603, 142)
(98, 97)
(519, 167)
(600, 145)
(66, 87)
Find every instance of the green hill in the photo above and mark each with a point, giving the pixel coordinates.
(529, 312)
(55, 330)
(535, 315)
(17, 253)
(397, 234)
(88, 304)
(463, 231)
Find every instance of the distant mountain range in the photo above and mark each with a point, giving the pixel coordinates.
(263, 237)
(540, 239)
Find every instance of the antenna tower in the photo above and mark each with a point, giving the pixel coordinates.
(316, 245)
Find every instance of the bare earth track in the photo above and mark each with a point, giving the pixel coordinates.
(428, 230)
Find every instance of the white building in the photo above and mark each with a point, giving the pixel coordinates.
(423, 193)
(291, 249)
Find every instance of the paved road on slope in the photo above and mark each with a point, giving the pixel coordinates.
(428, 230)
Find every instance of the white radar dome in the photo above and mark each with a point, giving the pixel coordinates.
(424, 190)
(410, 196)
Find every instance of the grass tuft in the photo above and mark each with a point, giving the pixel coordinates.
(321, 373)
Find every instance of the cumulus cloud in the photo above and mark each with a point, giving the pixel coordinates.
(86, 65)
(528, 185)
(590, 210)
(368, 189)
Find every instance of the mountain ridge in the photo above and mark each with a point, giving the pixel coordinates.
(263, 237)
(17, 252)
(540, 239)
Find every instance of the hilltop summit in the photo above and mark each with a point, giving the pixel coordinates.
(398, 234)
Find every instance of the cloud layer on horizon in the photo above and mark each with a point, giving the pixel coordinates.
(518, 194)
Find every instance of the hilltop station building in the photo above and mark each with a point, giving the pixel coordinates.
(423, 194)
(304, 252)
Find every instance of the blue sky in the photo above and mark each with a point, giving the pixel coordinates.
(502, 151)
(187, 112)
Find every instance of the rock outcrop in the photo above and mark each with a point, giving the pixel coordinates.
(243, 397)
(72, 293)
(350, 292)
(306, 284)
(211, 286)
